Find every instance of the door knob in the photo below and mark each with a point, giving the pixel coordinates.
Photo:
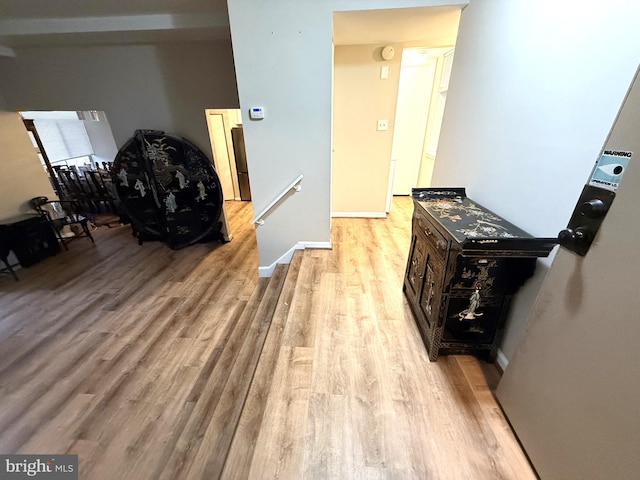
(595, 208)
(574, 237)
(591, 208)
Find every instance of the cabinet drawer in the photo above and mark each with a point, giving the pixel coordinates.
(436, 241)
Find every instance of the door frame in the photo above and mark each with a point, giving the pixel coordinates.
(226, 170)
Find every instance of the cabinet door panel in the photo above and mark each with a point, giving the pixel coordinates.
(489, 275)
(415, 268)
(432, 290)
(479, 326)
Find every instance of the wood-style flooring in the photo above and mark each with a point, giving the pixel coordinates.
(151, 363)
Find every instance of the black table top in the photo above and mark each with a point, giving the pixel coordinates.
(470, 223)
(18, 218)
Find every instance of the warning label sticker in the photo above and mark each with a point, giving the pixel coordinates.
(609, 169)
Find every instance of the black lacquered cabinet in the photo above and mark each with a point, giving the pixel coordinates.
(465, 264)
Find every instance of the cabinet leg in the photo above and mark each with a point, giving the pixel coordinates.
(433, 344)
(493, 354)
(433, 355)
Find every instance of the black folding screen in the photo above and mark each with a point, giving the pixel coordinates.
(168, 188)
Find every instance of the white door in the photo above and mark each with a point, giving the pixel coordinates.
(572, 390)
(412, 112)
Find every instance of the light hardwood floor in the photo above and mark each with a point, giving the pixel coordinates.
(141, 361)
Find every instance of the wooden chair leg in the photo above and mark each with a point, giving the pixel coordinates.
(10, 268)
(61, 238)
(86, 230)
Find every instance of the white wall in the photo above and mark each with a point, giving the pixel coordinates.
(361, 97)
(525, 121)
(282, 54)
(283, 57)
(101, 138)
(21, 175)
(165, 86)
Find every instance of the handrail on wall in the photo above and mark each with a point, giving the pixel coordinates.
(295, 185)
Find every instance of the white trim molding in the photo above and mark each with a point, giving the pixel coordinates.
(502, 361)
(286, 257)
(322, 245)
(359, 214)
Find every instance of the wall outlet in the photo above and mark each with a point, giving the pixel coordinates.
(383, 125)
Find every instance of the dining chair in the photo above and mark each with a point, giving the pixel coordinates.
(65, 217)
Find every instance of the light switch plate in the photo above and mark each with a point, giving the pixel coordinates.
(384, 72)
(383, 125)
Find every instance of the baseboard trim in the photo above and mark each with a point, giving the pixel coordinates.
(359, 214)
(323, 245)
(267, 271)
(502, 361)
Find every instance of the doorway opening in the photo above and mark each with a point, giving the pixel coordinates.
(229, 156)
(422, 93)
(366, 92)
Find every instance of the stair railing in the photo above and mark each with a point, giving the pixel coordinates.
(295, 185)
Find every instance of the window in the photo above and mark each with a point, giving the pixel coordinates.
(63, 136)
(64, 140)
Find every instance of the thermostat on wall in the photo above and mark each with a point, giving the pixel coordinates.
(256, 113)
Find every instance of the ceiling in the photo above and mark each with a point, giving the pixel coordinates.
(104, 8)
(86, 22)
(98, 22)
